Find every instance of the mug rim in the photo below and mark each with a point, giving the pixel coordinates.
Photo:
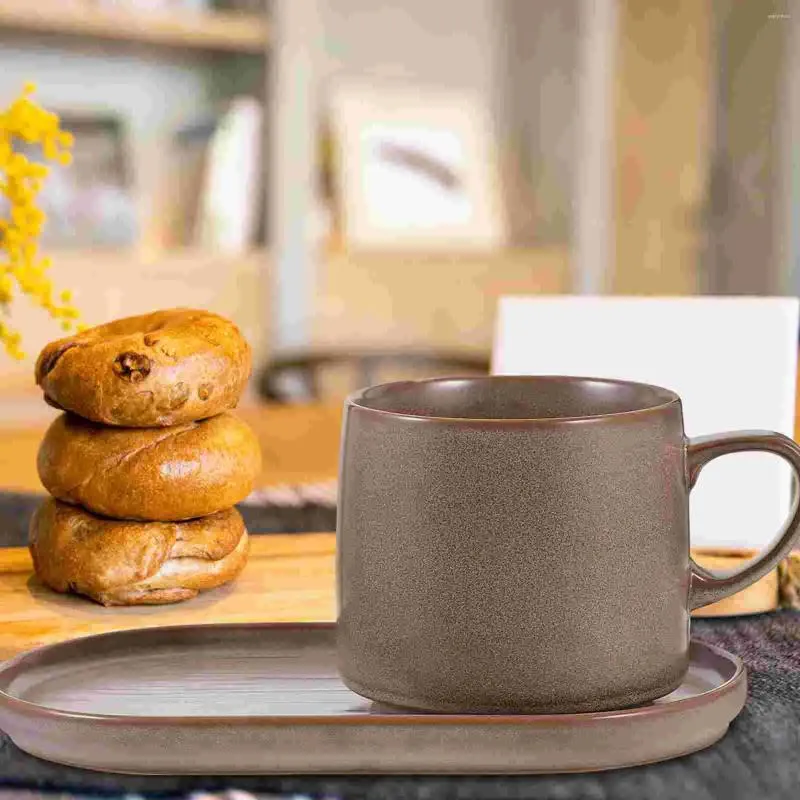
(356, 399)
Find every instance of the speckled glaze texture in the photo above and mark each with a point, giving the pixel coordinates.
(515, 544)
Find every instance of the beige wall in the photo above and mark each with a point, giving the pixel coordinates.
(441, 43)
(538, 116)
(661, 138)
(746, 205)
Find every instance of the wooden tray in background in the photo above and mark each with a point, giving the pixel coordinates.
(762, 596)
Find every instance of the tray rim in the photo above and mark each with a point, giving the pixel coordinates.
(14, 666)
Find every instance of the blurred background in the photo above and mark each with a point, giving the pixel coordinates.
(356, 182)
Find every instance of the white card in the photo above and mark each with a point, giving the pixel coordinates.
(733, 362)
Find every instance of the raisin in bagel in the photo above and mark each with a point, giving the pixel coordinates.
(165, 474)
(154, 370)
(135, 563)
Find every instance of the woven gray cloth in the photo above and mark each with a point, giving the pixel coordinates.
(759, 758)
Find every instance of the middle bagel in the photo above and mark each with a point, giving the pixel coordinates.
(162, 474)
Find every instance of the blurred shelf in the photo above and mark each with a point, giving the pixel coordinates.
(536, 255)
(112, 283)
(213, 31)
(180, 260)
(443, 300)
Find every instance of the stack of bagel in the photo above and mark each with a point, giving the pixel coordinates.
(147, 462)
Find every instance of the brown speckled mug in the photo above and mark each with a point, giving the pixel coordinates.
(522, 543)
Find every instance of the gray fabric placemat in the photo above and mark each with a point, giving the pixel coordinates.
(16, 509)
(759, 757)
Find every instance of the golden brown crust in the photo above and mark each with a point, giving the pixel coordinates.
(154, 370)
(192, 576)
(186, 471)
(132, 563)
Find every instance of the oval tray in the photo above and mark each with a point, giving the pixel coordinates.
(228, 699)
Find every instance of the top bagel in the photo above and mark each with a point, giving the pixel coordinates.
(150, 371)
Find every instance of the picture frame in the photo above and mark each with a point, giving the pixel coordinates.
(416, 168)
(92, 202)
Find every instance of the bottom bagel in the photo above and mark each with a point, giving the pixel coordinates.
(121, 563)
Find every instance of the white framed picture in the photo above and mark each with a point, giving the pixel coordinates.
(416, 168)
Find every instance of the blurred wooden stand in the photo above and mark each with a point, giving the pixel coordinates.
(762, 596)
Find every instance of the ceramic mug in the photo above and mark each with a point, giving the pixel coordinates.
(522, 543)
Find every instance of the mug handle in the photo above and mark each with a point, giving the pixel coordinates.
(707, 586)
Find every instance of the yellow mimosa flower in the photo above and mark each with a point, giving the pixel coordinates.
(21, 180)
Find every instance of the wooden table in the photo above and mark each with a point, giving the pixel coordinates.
(288, 578)
(299, 444)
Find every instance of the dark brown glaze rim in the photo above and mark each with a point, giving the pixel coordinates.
(352, 400)
(17, 665)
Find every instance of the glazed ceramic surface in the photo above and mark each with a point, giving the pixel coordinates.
(237, 699)
(522, 543)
